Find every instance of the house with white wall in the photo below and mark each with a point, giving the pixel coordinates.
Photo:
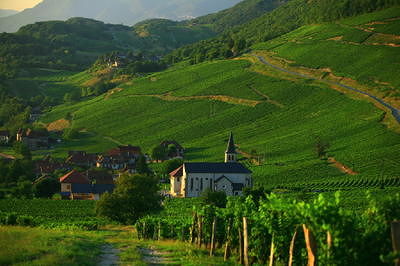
(191, 179)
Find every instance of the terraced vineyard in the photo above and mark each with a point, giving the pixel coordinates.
(277, 118)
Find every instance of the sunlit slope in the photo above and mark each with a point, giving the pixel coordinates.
(364, 48)
(276, 118)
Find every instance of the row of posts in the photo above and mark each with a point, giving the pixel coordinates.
(310, 241)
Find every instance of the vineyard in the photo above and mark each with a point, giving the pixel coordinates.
(283, 231)
(50, 213)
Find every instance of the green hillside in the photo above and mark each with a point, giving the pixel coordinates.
(364, 48)
(284, 19)
(241, 13)
(275, 116)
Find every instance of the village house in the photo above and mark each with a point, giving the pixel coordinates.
(120, 158)
(81, 158)
(177, 152)
(85, 186)
(34, 139)
(4, 136)
(48, 165)
(191, 179)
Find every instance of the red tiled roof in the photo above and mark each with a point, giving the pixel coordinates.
(124, 149)
(74, 177)
(177, 172)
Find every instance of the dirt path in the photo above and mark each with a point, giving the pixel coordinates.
(343, 168)
(221, 98)
(395, 112)
(109, 256)
(152, 256)
(267, 98)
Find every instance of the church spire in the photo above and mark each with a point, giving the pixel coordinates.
(230, 153)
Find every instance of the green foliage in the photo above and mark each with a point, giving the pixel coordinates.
(170, 165)
(71, 133)
(22, 149)
(134, 196)
(159, 152)
(46, 187)
(214, 198)
(53, 213)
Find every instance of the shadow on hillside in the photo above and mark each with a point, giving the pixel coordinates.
(192, 154)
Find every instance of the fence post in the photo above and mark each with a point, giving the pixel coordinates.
(212, 246)
(227, 243)
(245, 243)
(311, 246)
(271, 252)
(396, 239)
(291, 249)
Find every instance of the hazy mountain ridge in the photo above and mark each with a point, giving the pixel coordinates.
(7, 12)
(116, 12)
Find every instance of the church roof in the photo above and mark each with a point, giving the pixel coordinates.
(230, 168)
(231, 145)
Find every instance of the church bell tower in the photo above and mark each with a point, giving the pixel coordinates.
(230, 153)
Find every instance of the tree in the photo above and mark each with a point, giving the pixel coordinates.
(159, 152)
(134, 196)
(141, 165)
(320, 147)
(171, 165)
(23, 149)
(46, 188)
(215, 198)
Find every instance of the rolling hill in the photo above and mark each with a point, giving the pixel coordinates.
(115, 12)
(278, 120)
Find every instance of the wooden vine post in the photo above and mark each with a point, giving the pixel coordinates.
(159, 231)
(240, 245)
(329, 244)
(193, 228)
(311, 246)
(200, 230)
(396, 239)
(245, 243)
(227, 243)
(291, 249)
(212, 245)
(271, 252)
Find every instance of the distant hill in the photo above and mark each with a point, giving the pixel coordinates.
(76, 43)
(239, 14)
(7, 12)
(126, 12)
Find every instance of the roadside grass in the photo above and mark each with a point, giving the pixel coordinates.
(35, 246)
(183, 253)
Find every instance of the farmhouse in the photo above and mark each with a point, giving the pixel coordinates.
(85, 186)
(191, 179)
(81, 158)
(122, 157)
(34, 139)
(4, 136)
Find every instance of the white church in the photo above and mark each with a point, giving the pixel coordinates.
(191, 179)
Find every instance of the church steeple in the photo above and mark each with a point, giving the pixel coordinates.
(230, 153)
